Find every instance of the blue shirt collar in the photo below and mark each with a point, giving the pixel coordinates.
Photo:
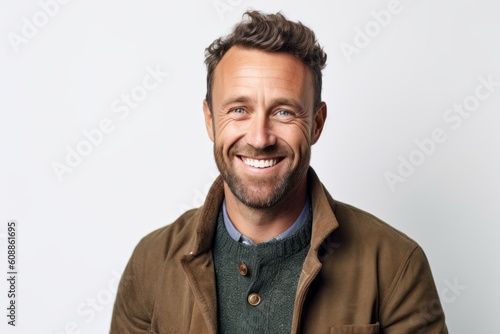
(236, 235)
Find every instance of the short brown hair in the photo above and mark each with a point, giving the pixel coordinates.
(272, 33)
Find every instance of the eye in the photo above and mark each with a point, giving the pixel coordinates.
(238, 111)
(284, 114)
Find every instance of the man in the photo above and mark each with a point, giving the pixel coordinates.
(270, 251)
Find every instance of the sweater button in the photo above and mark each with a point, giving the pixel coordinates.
(254, 299)
(243, 269)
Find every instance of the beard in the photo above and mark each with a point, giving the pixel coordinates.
(251, 190)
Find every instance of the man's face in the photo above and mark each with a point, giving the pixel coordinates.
(263, 124)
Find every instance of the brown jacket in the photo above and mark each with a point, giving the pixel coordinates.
(360, 276)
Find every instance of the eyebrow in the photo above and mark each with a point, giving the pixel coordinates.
(278, 102)
(233, 100)
(288, 102)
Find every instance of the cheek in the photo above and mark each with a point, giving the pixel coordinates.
(298, 135)
(227, 132)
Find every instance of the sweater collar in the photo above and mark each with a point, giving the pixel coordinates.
(236, 235)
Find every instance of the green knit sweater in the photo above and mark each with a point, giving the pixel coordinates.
(256, 285)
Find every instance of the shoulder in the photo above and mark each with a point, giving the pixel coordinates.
(364, 226)
(353, 228)
(139, 282)
(160, 249)
(375, 245)
(168, 240)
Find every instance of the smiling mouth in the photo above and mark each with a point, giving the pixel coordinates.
(260, 163)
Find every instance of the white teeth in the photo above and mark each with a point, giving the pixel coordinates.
(260, 163)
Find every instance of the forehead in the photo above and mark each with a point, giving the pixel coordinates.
(245, 70)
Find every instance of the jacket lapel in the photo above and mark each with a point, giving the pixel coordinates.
(324, 223)
(200, 273)
(198, 264)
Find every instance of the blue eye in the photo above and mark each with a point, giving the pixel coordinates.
(239, 110)
(284, 113)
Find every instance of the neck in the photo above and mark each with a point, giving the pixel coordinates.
(263, 224)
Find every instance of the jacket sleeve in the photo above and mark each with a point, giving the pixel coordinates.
(412, 303)
(130, 313)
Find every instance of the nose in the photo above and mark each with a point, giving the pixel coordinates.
(259, 133)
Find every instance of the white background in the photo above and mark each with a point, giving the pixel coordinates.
(76, 236)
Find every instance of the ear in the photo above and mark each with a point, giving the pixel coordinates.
(318, 122)
(209, 120)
